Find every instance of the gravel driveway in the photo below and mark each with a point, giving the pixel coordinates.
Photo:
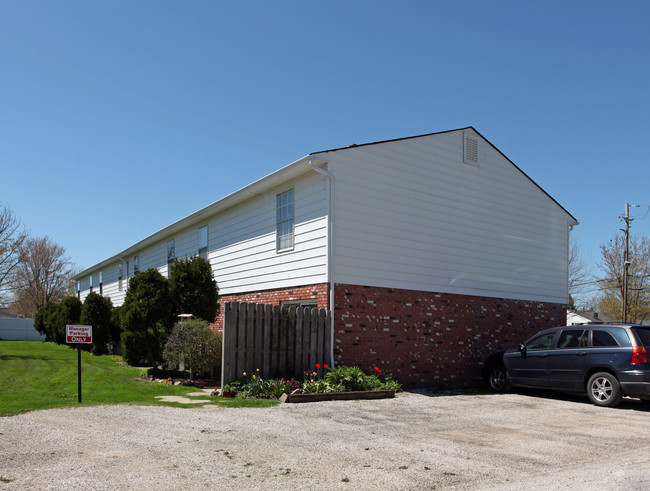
(414, 441)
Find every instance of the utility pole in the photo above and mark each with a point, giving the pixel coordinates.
(626, 259)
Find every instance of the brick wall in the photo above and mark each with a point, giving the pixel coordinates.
(318, 292)
(431, 339)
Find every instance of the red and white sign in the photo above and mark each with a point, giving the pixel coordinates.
(78, 334)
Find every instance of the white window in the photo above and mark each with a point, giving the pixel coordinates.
(203, 242)
(284, 220)
(171, 256)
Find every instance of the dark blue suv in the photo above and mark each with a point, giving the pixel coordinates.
(605, 361)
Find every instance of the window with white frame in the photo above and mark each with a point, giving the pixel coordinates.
(203, 242)
(136, 264)
(119, 276)
(171, 256)
(90, 279)
(284, 221)
(101, 282)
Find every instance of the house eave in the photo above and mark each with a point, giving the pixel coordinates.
(271, 181)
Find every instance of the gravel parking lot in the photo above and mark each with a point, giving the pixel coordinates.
(415, 441)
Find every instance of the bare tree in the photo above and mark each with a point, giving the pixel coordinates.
(12, 237)
(578, 273)
(610, 300)
(42, 275)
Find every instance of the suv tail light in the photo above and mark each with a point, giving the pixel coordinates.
(639, 355)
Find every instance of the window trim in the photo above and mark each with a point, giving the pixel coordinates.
(171, 256)
(203, 251)
(280, 220)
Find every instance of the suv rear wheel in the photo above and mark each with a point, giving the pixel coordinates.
(604, 390)
(498, 379)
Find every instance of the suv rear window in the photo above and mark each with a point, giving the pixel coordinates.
(643, 334)
(603, 338)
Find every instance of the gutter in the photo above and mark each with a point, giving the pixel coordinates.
(330, 266)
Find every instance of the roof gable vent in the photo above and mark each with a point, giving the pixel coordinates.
(470, 149)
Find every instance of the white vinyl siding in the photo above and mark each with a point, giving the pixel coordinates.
(406, 214)
(244, 254)
(409, 214)
(242, 244)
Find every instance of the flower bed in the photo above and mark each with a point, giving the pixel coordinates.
(319, 385)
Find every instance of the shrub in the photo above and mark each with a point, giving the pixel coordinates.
(96, 312)
(45, 320)
(147, 313)
(68, 312)
(133, 347)
(193, 289)
(194, 344)
(351, 379)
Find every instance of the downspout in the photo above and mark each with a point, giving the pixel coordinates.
(330, 267)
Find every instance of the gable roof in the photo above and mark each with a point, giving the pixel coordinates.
(354, 145)
(266, 183)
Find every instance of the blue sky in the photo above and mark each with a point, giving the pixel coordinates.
(119, 118)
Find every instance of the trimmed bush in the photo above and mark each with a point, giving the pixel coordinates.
(193, 344)
(193, 289)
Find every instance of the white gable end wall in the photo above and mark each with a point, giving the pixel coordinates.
(411, 214)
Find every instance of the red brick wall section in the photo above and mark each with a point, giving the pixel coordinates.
(431, 339)
(319, 292)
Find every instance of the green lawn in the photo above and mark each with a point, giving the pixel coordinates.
(36, 375)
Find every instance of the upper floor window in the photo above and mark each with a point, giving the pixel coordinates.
(101, 283)
(284, 221)
(91, 283)
(171, 256)
(136, 264)
(203, 242)
(119, 276)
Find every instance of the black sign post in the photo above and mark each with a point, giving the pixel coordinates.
(79, 370)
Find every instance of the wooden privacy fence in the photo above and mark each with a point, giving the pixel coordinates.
(279, 341)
